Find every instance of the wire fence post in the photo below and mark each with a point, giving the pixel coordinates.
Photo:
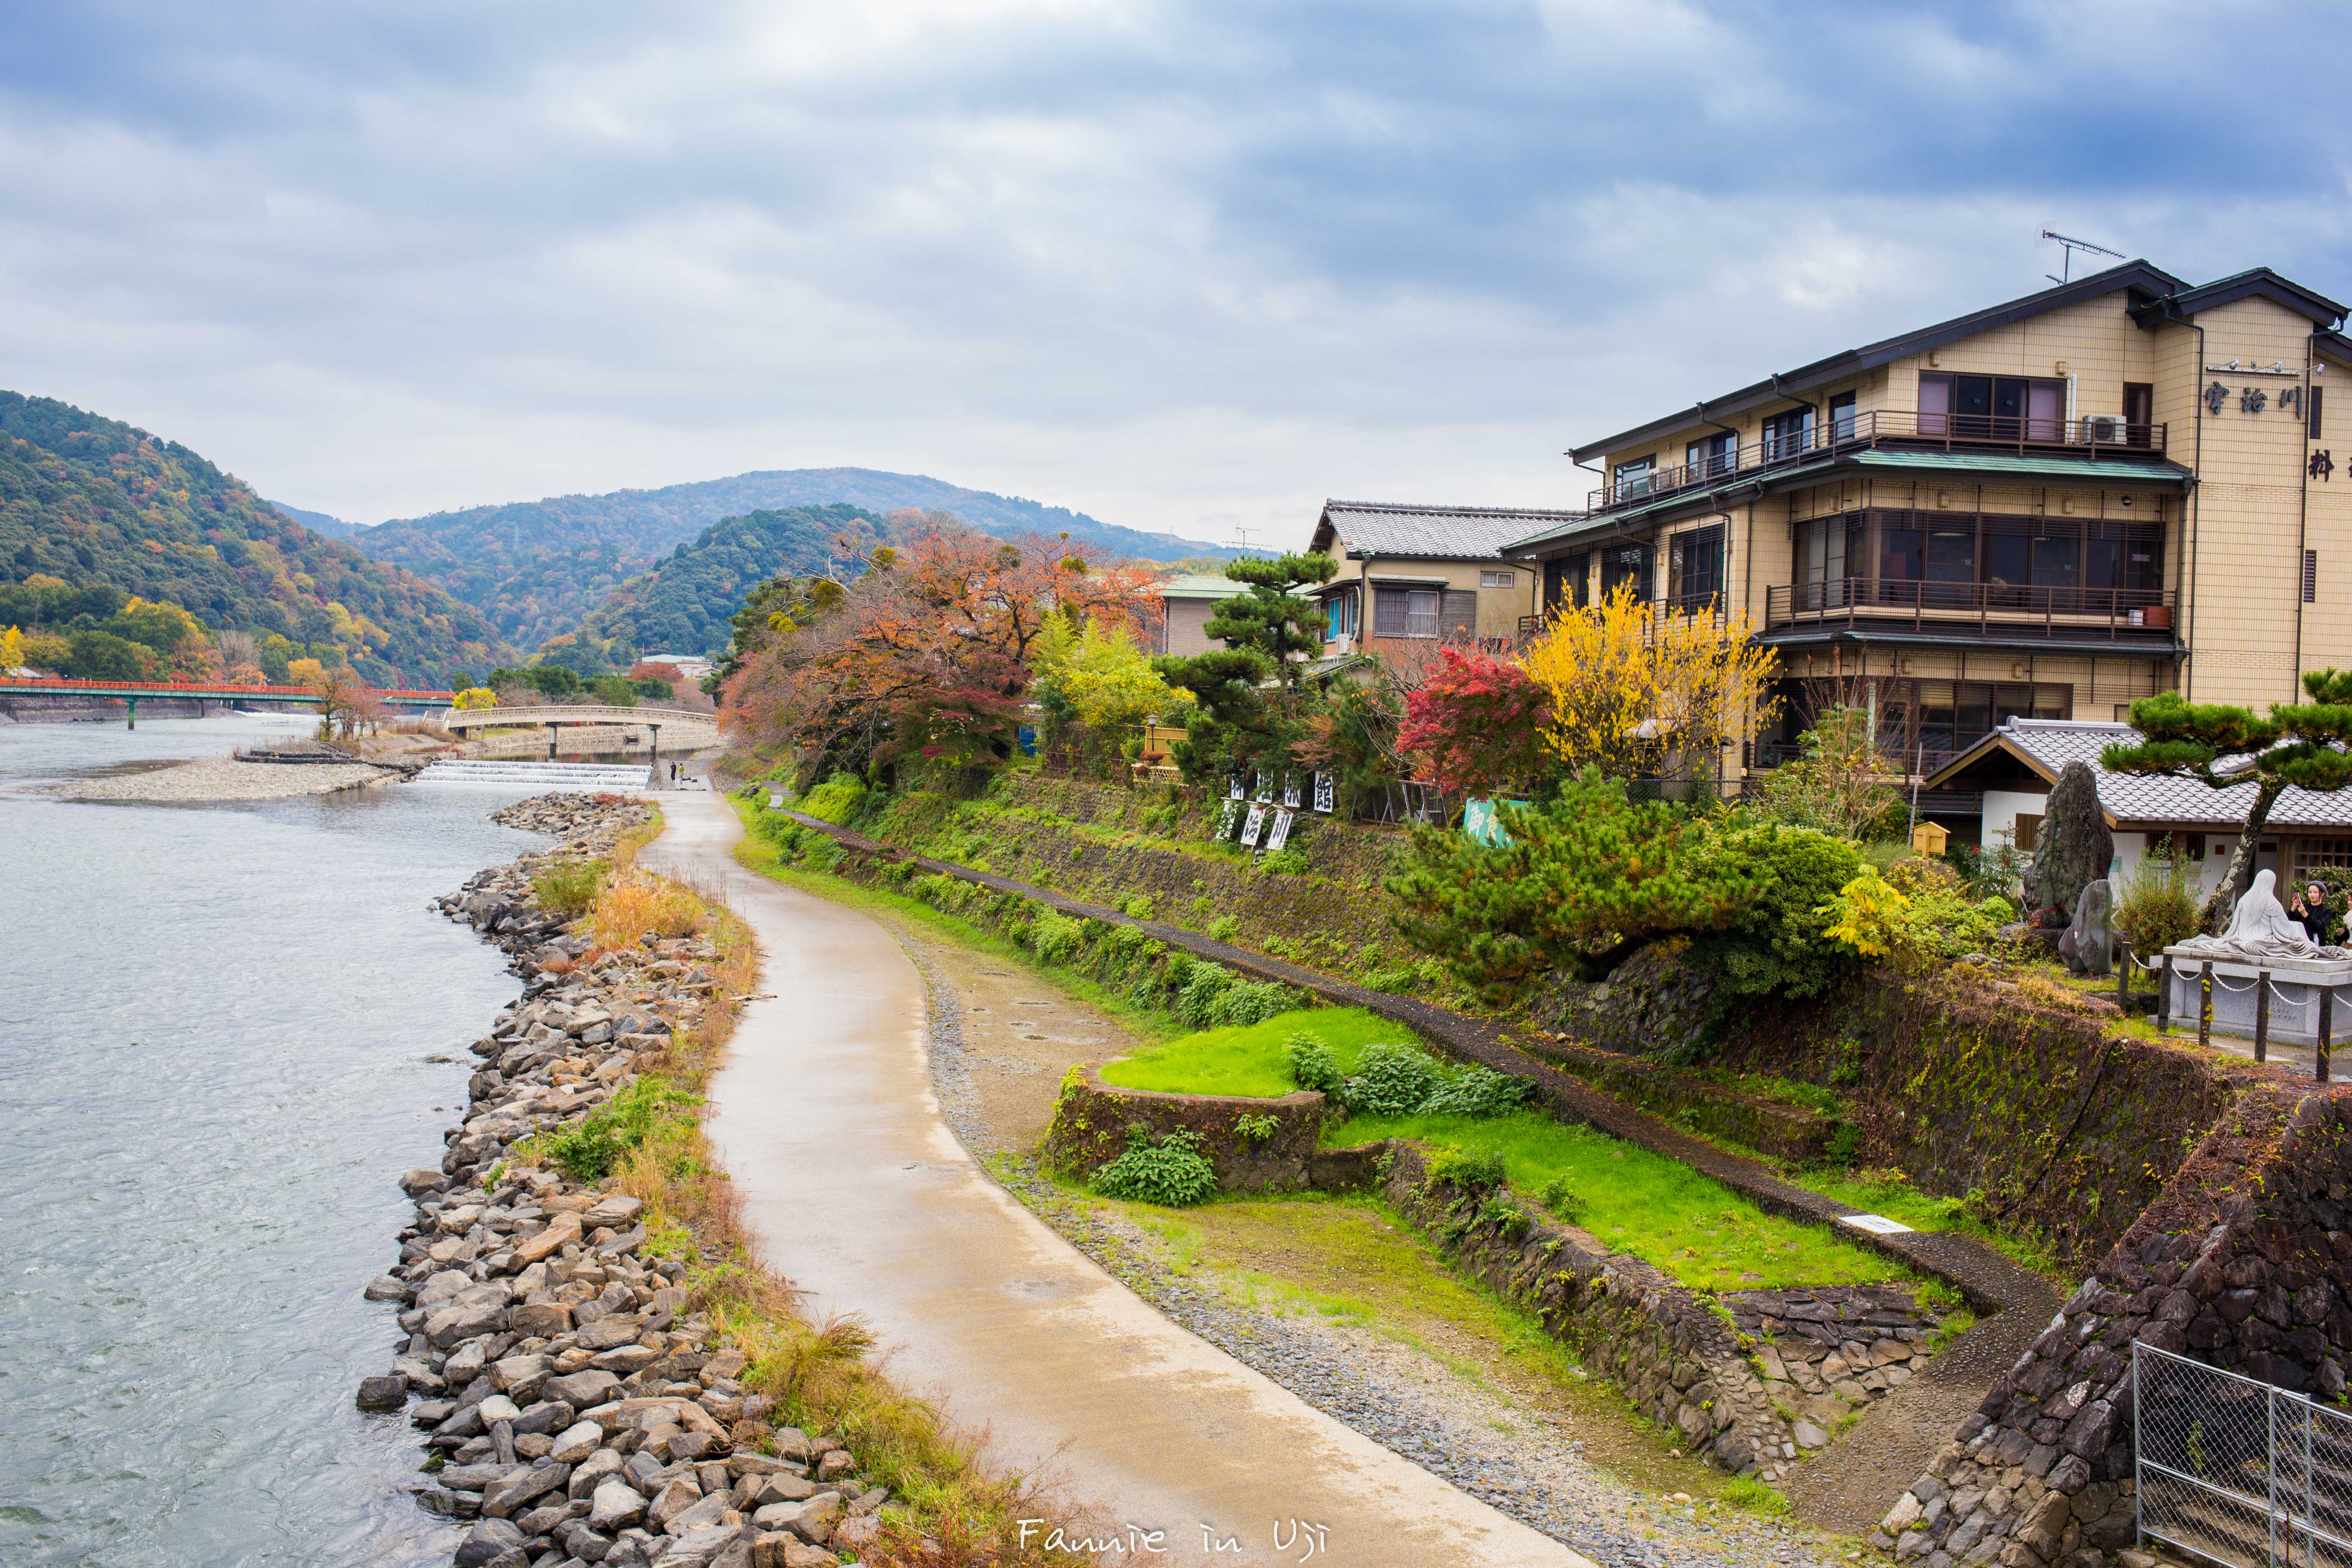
(2326, 1028)
(2164, 998)
(2123, 980)
(2263, 1015)
(2205, 1004)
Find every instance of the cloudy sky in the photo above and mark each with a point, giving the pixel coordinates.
(1182, 265)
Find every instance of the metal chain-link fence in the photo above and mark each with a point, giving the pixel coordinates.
(2240, 1471)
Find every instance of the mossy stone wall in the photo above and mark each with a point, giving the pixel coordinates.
(1255, 1145)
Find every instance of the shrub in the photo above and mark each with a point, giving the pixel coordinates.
(1391, 1080)
(569, 888)
(1478, 1092)
(2157, 908)
(1312, 1065)
(636, 905)
(1285, 863)
(1196, 1002)
(1224, 928)
(1169, 1172)
(1557, 1197)
(1247, 1002)
(1054, 937)
(1473, 1170)
(835, 800)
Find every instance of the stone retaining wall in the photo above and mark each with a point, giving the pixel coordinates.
(1133, 843)
(2243, 1261)
(1255, 1145)
(1751, 1387)
(1785, 1132)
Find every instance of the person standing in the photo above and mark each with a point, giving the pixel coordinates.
(2311, 910)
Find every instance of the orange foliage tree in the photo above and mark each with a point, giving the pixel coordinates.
(926, 655)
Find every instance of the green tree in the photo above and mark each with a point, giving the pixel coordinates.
(1587, 879)
(2223, 746)
(94, 655)
(1250, 712)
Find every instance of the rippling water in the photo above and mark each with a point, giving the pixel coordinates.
(215, 1035)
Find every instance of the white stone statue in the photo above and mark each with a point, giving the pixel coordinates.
(2258, 927)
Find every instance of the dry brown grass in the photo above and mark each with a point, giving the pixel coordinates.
(633, 905)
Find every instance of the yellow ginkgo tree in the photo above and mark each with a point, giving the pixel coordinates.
(1639, 690)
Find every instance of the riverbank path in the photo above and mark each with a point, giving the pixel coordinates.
(858, 1191)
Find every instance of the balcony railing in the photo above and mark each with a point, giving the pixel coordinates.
(2119, 614)
(2091, 436)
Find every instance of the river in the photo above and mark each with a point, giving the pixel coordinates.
(217, 1054)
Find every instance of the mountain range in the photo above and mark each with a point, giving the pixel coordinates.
(92, 502)
(537, 569)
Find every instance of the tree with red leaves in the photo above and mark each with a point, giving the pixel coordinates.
(1477, 725)
(925, 656)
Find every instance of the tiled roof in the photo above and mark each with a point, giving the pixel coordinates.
(1432, 532)
(2049, 745)
(1200, 585)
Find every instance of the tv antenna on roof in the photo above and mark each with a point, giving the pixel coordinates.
(2072, 245)
(1241, 537)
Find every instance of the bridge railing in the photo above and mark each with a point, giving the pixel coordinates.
(208, 688)
(583, 713)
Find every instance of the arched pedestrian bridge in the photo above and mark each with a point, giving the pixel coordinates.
(605, 729)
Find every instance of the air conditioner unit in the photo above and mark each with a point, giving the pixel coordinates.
(2106, 430)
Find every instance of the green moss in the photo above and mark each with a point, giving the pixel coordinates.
(1660, 1211)
(1249, 1059)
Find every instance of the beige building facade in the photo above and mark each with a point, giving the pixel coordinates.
(2123, 485)
(1411, 576)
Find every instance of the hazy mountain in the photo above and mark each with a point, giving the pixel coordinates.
(536, 568)
(318, 522)
(94, 501)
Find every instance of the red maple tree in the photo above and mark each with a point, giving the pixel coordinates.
(1477, 723)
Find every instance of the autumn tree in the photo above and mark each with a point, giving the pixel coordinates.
(1634, 686)
(12, 649)
(925, 656)
(2223, 746)
(1096, 689)
(1477, 725)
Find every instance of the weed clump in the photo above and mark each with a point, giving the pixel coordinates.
(1169, 1171)
(1311, 1063)
(593, 1148)
(569, 888)
(635, 906)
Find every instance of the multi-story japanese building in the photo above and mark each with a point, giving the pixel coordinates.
(2116, 486)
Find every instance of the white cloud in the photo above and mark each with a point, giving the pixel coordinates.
(1181, 266)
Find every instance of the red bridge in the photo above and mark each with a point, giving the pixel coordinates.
(130, 691)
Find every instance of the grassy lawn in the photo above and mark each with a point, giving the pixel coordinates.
(1248, 1060)
(1657, 1209)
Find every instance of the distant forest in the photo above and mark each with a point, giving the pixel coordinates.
(90, 501)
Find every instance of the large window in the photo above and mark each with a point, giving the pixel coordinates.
(1425, 612)
(1695, 567)
(1636, 477)
(1627, 563)
(1711, 456)
(1918, 723)
(1788, 434)
(1992, 407)
(1843, 424)
(1567, 582)
(1962, 561)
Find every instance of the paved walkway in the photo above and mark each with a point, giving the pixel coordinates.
(859, 1194)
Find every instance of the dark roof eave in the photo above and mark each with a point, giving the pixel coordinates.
(2129, 275)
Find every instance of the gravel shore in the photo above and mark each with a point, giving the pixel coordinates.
(223, 778)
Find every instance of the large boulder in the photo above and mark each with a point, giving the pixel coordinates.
(2073, 847)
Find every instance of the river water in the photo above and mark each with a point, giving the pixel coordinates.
(216, 1040)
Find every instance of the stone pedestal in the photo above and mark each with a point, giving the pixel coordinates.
(2294, 1005)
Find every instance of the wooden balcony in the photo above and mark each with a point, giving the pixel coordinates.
(2087, 436)
(2121, 616)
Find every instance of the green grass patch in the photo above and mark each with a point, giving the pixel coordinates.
(1890, 1193)
(1660, 1211)
(1248, 1060)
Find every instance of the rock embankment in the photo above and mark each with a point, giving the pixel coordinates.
(579, 1408)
